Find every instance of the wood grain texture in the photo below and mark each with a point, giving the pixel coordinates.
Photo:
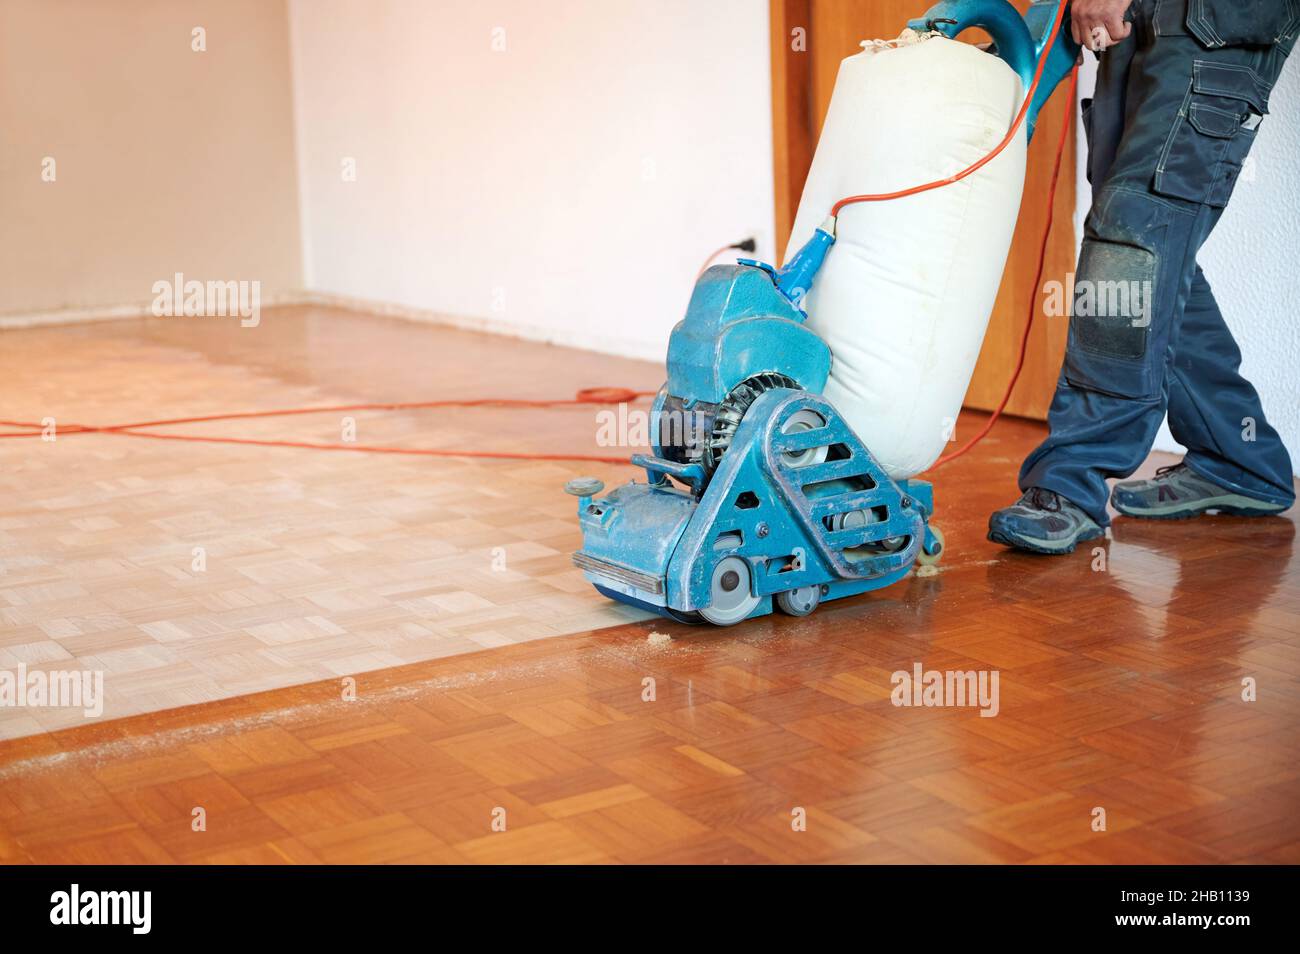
(802, 86)
(1120, 669)
(316, 564)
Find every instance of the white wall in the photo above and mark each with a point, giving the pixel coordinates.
(566, 188)
(165, 159)
(1252, 257)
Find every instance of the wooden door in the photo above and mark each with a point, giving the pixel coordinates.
(809, 38)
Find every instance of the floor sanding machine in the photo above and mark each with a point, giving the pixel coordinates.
(800, 402)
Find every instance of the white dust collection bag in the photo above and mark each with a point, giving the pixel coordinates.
(904, 297)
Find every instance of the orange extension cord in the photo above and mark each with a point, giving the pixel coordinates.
(585, 397)
(606, 395)
(976, 166)
(1033, 294)
(1051, 207)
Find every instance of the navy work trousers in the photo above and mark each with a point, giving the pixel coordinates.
(1177, 108)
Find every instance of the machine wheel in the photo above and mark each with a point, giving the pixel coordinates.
(927, 559)
(860, 518)
(731, 596)
(687, 617)
(805, 420)
(799, 602)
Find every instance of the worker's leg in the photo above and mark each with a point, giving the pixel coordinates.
(1215, 413)
(1190, 118)
(1112, 393)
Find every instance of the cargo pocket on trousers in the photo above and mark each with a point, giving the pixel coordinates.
(1213, 134)
(1242, 22)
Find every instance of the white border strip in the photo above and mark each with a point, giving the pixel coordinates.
(604, 344)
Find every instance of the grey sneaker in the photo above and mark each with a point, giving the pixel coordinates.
(1042, 522)
(1179, 492)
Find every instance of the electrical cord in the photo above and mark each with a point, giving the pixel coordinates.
(1038, 281)
(586, 397)
(745, 245)
(980, 164)
(971, 170)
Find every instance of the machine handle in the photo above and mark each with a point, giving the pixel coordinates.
(692, 474)
(1020, 41)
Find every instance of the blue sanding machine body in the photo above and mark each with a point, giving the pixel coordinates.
(758, 495)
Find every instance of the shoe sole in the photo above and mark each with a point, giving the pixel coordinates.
(1234, 505)
(1045, 547)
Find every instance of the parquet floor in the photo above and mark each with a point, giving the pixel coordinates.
(1120, 690)
(309, 564)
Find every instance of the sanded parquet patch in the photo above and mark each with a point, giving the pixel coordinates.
(187, 572)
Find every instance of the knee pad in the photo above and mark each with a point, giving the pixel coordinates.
(1117, 322)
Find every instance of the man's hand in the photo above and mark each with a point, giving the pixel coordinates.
(1098, 24)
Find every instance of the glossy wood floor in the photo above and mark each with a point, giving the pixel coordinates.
(1120, 667)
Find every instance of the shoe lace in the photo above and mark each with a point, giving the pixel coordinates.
(1172, 468)
(1044, 499)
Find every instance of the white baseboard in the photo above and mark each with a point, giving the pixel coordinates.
(144, 309)
(603, 344)
(72, 316)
